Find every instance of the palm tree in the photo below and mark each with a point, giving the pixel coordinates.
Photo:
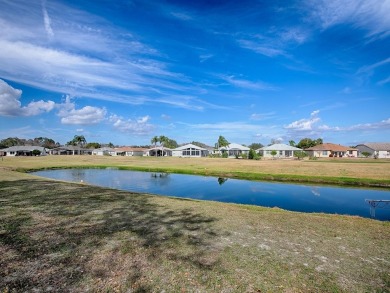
(163, 139)
(154, 141)
(79, 140)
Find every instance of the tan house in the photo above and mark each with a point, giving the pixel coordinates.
(327, 150)
(130, 151)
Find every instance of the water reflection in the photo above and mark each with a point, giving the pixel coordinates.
(292, 197)
(222, 180)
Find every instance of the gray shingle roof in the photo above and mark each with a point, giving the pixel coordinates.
(378, 146)
(279, 147)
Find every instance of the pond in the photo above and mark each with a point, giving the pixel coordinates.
(293, 197)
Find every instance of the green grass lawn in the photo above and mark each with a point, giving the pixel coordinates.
(58, 236)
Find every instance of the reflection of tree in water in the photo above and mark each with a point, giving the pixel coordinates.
(222, 180)
(78, 174)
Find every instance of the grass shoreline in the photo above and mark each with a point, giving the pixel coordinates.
(285, 178)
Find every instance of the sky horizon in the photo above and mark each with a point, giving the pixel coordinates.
(251, 71)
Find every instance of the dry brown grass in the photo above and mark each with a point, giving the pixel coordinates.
(67, 237)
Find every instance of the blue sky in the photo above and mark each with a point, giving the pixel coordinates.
(252, 71)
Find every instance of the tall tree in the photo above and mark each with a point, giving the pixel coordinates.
(162, 139)
(255, 146)
(292, 143)
(154, 141)
(222, 142)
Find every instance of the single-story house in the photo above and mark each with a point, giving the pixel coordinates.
(105, 151)
(190, 150)
(380, 150)
(282, 151)
(234, 149)
(326, 150)
(70, 150)
(130, 151)
(159, 151)
(23, 150)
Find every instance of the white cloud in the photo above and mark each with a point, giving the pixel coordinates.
(46, 20)
(138, 126)
(306, 124)
(370, 68)
(371, 15)
(261, 48)
(384, 81)
(84, 116)
(262, 116)
(10, 104)
(247, 84)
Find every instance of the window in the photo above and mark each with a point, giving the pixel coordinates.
(350, 152)
(281, 153)
(324, 153)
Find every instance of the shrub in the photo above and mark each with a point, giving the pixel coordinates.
(244, 156)
(225, 155)
(36, 152)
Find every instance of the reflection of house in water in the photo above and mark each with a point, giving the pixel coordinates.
(159, 175)
(315, 191)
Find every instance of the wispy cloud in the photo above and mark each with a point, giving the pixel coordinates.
(369, 68)
(247, 84)
(262, 116)
(371, 15)
(127, 71)
(46, 20)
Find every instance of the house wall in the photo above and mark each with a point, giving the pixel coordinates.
(190, 153)
(279, 154)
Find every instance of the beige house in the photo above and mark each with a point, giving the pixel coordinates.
(130, 151)
(327, 150)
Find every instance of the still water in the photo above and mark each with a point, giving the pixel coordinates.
(293, 197)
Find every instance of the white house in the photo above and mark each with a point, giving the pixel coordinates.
(282, 151)
(159, 151)
(130, 151)
(234, 149)
(70, 150)
(105, 151)
(380, 150)
(190, 150)
(23, 150)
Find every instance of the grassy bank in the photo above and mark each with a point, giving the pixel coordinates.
(57, 236)
(353, 172)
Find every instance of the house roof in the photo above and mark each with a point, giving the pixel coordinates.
(330, 147)
(279, 147)
(104, 149)
(233, 146)
(130, 149)
(377, 146)
(159, 148)
(19, 148)
(187, 146)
